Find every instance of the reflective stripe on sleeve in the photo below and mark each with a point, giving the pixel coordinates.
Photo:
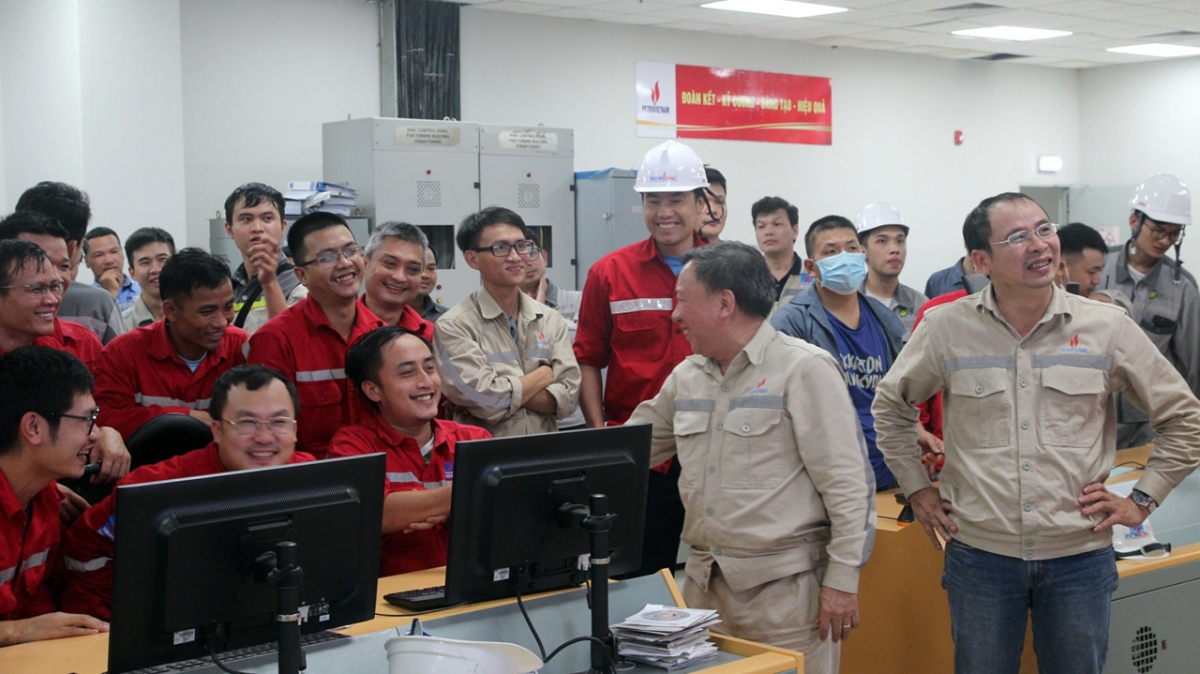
(642, 304)
(310, 376)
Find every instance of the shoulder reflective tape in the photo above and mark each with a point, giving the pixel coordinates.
(320, 375)
(643, 304)
(8, 574)
(86, 567)
(402, 478)
(1082, 360)
(32, 562)
(693, 405)
(435, 485)
(979, 363)
(758, 402)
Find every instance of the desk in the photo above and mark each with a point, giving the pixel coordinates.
(555, 614)
(906, 620)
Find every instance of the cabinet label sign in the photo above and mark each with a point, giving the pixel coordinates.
(682, 101)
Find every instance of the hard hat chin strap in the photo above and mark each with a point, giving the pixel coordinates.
(703, 193)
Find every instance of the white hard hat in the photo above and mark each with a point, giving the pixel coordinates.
(1164, 198)
(438, 655)
(1138, 542)
(670, 167)
(876, 215)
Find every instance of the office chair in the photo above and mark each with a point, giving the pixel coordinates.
(166, 436)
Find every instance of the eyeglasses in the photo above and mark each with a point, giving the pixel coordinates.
(327, 260)
(39, 290)
(1044, 231)
(279, 426)
(90, 418)
(503, 248)
(1159, 233)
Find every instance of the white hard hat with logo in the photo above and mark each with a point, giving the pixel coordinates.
(1138, 542)
(670, 167)
(1164, 198)
(438, 655)
(876, 215)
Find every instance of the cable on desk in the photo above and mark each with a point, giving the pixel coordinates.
(538, 639)
(220, 664)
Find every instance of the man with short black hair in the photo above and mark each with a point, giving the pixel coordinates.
(265, 283)
(780, 509)
(102, 255)
(861, 334)
(47, 429)
(424, 303)
(717, 210)
(776, 228)
(148, 250)
(253, 423)
(169, 367)
(884, 238)
(1027, 371)
(394, 371)
(506, 356)
(308, 341)
(392, 276)
(86, 305)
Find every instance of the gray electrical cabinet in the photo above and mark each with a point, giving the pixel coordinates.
(435, 173)
(530, 170)
(608, 216)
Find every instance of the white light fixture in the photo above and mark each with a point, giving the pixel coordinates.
(1157, 49)
(788, 8)
(1014, 33)
(1050, 164)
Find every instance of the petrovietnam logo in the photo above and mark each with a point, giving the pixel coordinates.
(654, 107)
(663, 177)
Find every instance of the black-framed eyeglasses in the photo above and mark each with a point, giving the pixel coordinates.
(327, 260)
(90, 418)
(1044, 231)
(39, 290)
(504, 248)
(279, 426)
(1160, 233)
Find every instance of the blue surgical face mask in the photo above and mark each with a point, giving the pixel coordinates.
(843, 273)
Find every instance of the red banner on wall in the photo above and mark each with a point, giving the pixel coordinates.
(682, 101)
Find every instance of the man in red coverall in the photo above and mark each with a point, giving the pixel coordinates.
(308, 341)
(170, 366)
(254, 426)
(394, 371)
(625, 324)
(47, 428)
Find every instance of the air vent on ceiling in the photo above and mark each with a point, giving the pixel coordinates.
(1000, 56)
(970, 7)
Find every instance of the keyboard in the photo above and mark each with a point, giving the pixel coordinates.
(424, 599)
(237, 654)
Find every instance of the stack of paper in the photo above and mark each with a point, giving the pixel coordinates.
(667, 637)
(308, 197)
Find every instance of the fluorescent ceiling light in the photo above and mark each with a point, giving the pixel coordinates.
(788, 8)
(1157, 49)
(1015, 33)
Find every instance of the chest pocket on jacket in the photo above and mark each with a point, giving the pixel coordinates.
(642, 336)
(749, 460)
(1073, 406)
(318, 393)
(690, 434)
(980, 409)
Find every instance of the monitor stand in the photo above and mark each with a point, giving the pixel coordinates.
(598, 522)
(282, 570)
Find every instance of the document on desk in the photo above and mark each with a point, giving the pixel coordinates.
(667, 636)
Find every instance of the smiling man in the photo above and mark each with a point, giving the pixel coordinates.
(780, 512)
(169, 367)
(1163, 294)
(1028, 372)
(253, 424)
(308, 341)
(395, 266)
(507, 357)
(47, 429)
(394, 371)
(148, 249)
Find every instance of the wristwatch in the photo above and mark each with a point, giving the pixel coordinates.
(1143, 499)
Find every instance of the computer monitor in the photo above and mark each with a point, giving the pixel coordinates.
(185, 573)
(506, 520)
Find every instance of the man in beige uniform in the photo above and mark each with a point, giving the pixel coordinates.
(778, 492)
(505, 359)
(1029, 374)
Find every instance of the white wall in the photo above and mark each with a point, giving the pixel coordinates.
(259, 79)
(1141, 119)
(894, 117)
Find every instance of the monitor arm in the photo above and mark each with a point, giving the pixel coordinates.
(282, 570)
(597, 521)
